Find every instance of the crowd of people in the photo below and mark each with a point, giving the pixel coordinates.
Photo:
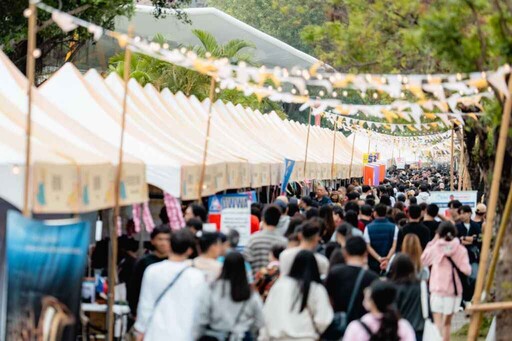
(337, 264)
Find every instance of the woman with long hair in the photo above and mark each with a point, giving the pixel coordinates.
(408, 302)
(325, 213)
(411, 246)
(297, 306)
(446, 256)
(383, 322)
(230, 309)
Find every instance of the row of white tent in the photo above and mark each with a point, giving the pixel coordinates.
(76, 135)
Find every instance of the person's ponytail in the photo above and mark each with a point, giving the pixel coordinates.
(388, 330)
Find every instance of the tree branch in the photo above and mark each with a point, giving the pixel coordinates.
(481, 38)
(72, 12)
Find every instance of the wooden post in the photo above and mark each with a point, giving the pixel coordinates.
(206, 140)
(491, 212)
(352, 156)
(461, 162)
(451, 159)
(307, 142)
(31, 65)
(333, 149)
(112, 273)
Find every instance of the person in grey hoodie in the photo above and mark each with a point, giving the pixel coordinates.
(284, 220)
(229, 308)
(424, 195)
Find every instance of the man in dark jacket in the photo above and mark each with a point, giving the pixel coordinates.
(416, 227)
(381, 238)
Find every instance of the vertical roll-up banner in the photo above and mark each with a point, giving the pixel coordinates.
(288, 169)
(45, 265)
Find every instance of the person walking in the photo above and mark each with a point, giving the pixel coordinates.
(429, 220)
(297, 307)
(210, 248)
(381, 237)
(383, 321)
(160, 239)
(260, 243)
(169, 299)
(414, 226)
(229, 309)
(446, 256)
(408, 301)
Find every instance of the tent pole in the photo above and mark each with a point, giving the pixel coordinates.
(112, 273)
(307, 142)
(451, 159)
(333, 149)
(491, 212)
(31, 63)
(352, 156)
(207, 139)
(461, 162)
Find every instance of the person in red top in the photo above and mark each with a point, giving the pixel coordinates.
(255, 224)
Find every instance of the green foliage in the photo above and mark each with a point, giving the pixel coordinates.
(149, 70)
(282, 19)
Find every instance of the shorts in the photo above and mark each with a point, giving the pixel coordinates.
(445, 305)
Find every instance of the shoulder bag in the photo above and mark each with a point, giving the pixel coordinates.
(430, 331)
(340, 321)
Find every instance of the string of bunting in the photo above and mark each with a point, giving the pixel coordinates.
(448, 90)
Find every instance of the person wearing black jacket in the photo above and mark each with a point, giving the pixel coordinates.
(414, 226)
(160, 237)
(408, 300)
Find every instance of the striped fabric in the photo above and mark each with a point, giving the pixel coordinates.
(146, 217)
(259, 245)
(174, 213)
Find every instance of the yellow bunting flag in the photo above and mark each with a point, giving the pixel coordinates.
(430, 116)
(411, 128)
(389, 115)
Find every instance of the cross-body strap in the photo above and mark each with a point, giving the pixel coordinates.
(365, 327)
(454, 268)
(237, 318)
(162, 294)
(357, 286)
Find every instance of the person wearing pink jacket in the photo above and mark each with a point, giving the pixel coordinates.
(443, 254)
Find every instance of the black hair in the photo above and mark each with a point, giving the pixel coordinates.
(195, 223)
(233, 238)
(370, 202)
(351, 218)
(414, 212)
(345, 229)
(307, 200)
(325, 213)
(366, 188)
(330, 247)
(402, 269)
(353, 196)
(454, 204)
(401, 188)
(181, 241)
(338, 211)
(207, 240)
(199, 211)
(355, 246)
(292, 209)
(310, 229)
(255, 211)
(233, 271)
(465, 209)
(385, 200)
(433, 210)
(312, 213)
(400, 198)
(277, 250)
(160, 229)
(383, 295)
(423, 188)
(366, 210)
(271, 215)
(292, 226)
(423, 206)
(381, 210)
(447, 231)
(305, 271)
(163, 215)
(413, 201)
(336, 258)
(399, 216)
(294, 237)
(352, 206)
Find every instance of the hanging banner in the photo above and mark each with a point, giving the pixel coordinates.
(442, 199)
(288, 169)
(232, 212)
(400, 162)
(370, 157)
(45, 262)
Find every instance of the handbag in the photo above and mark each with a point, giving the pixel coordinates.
(340, 320)
(464, 280)
(430, 331)
(219, 335)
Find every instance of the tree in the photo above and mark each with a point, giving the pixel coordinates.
(50, 38)
(282, 19)
(146, 69)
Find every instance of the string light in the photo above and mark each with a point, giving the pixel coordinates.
(36, 53)
(294, 91)
(334, 94)
(375, 95)
(321, 93)
(345, 93)
(217, 90)
(27, 12)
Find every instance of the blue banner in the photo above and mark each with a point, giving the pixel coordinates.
(288, 169)
(46, 263)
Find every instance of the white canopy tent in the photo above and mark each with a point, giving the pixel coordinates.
(77, 119)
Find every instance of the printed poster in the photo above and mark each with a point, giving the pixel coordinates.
(235, 213)
(46, 262)
(442, 198)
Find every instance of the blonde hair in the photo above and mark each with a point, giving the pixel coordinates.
(412, 247)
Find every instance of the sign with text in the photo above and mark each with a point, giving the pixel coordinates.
(400, 162)
(235, 213)
(370, 157)
(442, 198)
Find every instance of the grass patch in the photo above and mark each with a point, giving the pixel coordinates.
(462, 333)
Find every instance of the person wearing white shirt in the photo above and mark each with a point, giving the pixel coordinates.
(170, 295)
